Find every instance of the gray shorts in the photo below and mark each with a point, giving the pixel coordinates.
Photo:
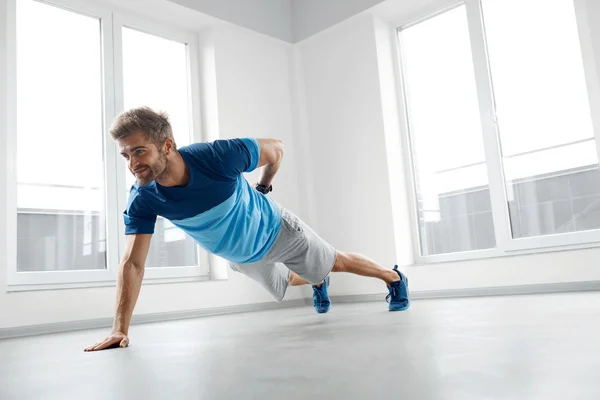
(297, 248)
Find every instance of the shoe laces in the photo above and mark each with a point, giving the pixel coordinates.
(318, 292)
(393, 293)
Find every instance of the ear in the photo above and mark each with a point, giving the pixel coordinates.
(168, 146)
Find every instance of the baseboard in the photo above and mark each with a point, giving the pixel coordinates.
(34, 330)
(544, 288)
(60, 327)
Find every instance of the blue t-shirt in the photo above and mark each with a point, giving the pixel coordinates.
(218, 208)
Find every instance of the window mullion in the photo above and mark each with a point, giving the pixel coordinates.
(110, 153)
(193, 59)
(489, 124)
(119, 104)
(411, 175)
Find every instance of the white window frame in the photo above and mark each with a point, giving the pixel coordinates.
(112, 103)
(506, 245)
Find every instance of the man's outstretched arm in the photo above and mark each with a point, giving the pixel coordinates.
(271, 154)
(129, 282)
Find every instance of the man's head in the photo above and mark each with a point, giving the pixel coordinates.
(145, 139)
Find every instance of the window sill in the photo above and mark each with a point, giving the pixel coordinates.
(108, 283)
(421, 261)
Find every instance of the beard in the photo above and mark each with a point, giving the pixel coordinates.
(157, 171)
(161, 169)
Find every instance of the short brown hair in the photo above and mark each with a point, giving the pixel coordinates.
(155, 125)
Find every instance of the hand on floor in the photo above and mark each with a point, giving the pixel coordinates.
(116, 339)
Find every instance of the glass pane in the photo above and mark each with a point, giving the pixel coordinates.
(448, 155)
(549, 152)
(155, 75)
(60, 175)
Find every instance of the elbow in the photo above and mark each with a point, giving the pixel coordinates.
(279, 150)
(131, 265)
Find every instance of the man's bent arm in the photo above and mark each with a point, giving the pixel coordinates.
(271, 154)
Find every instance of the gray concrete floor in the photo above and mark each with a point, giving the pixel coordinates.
(523, 347)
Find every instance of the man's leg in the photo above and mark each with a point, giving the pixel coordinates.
(353, 263)
(296, 280)
(396, 282)
(306, 254)
(321, 301)
(358, 264)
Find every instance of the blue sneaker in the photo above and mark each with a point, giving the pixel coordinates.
(398, 296)
(321, 300)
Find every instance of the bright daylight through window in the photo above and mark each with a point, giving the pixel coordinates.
(60, 173)
(546, 145)
(155, 74)
(449, 162)
(75, 70)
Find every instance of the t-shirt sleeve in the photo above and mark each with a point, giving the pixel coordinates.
(227, 158)
(139, 219)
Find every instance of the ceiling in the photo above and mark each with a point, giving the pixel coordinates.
(288, 20)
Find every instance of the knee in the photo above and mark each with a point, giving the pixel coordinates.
(341, 261)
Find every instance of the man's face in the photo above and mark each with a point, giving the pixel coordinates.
(145, 161)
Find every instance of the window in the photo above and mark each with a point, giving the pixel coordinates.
(60, 165)
(545, 125)
(155, 75)
(454, 209)
(501, 128)
(76, 66)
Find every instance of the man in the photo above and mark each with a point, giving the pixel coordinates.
(200, 188)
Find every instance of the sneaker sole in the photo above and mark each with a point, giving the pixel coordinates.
(394, 309)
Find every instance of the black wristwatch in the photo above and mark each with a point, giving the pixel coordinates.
(263, 189)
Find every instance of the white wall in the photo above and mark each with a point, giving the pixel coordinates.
(253, 91)
(347, 145)
(253, 99)
(349, 126)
